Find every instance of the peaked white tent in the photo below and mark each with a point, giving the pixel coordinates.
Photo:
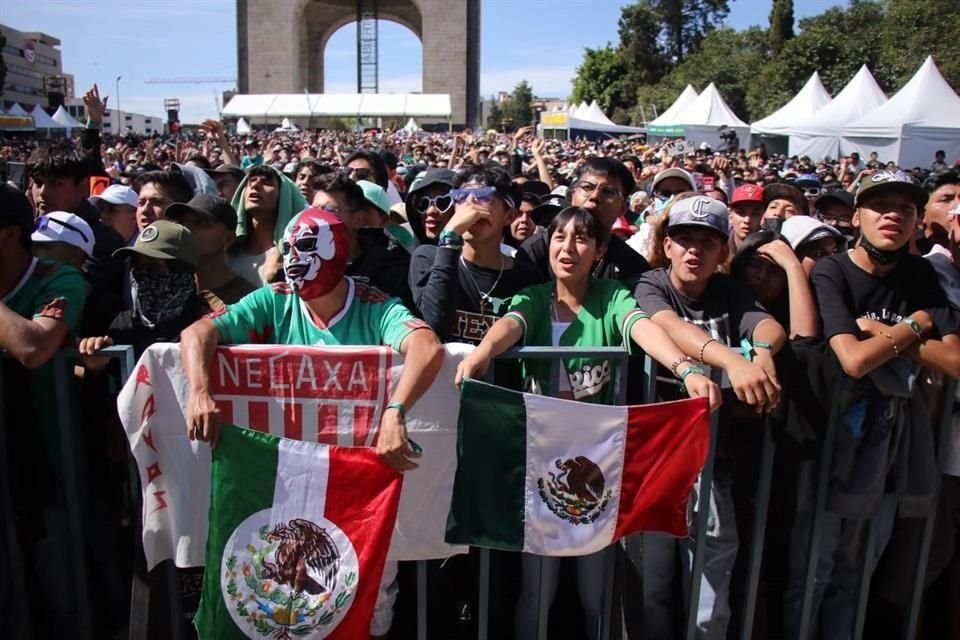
(243, 127)
(819, 135)
(811, 98)
(17, 110)
(411, 126)
(667, 119)
(584, 120)
(286, 125)
(705, 117)
(922, 118)
(65, 120)
(42, 120)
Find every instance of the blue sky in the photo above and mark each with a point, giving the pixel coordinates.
(541, 41)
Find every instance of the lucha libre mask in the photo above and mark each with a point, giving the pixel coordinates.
(315, 251)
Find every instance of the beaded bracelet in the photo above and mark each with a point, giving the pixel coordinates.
(676, 363)
(704, 347)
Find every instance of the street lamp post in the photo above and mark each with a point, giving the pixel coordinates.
(117, 108)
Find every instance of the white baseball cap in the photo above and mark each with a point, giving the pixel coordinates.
(60, 226)
(117, 194)
(799, 230)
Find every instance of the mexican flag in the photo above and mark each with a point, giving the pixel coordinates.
(562, 478)
(298, 536)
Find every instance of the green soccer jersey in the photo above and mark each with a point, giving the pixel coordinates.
(605, 319)
(274, 314)
(49, 290)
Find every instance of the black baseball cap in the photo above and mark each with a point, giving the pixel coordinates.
(550, 205)
(842, 196)
(205, 206)
(226, 168)
(15, 210)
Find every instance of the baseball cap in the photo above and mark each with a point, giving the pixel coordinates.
(60, 226)
(895, 181)
(839, 195)
(226, 168)
(434, 176)
(788, 192)
(799, 230)
(700, 211)
(747, 193)
(15, 209)
(164, 240)
(807, 180)
(205, 206)
(117, 194)
(535, 187)
(550, 205)
(375, 195)
(675, 172)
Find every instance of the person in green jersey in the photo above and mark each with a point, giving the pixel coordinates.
(578, 310)
(317, 305)
(40, 300)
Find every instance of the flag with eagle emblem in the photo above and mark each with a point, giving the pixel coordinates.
(298, 537)
(562, 478)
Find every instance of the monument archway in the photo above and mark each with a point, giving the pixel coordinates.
(281, 44)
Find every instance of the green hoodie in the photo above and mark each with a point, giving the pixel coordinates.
(290, 203)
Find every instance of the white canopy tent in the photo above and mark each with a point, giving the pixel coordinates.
(811, 98)
(273, 107)
(819, 135)
(42, 120)
(922, 118)
(584, 120)
(411, 126)
(65, 120)
(662, 124)
(17, 110)
(704, 118)
(243, 127)
(286, 125)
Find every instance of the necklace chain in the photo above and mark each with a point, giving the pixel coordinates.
(483, 296)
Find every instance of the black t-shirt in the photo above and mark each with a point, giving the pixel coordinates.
(727, 310)
(447, 292)
(382, 265)
(846, 292)
(619, 262)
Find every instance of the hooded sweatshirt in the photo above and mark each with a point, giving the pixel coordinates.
(289, 204)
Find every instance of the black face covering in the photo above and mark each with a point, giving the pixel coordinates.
(161, 296)
(883, 257)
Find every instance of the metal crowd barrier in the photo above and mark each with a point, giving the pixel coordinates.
(609, 628)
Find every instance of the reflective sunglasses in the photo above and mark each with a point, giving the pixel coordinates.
(442, 203)
(812, 192)
(308, 243)
(43, 223)
(482, 195)
(358, 174)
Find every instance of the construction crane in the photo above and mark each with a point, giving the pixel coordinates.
(190, 80)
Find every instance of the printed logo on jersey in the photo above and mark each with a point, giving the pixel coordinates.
(589, 380)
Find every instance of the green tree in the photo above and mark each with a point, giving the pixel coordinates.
(603, 77)
(687, 22)
(641, 47)
(781, 24)
(519, 109)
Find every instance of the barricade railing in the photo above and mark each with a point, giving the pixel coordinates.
(67, 421)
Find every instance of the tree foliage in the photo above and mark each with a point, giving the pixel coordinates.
(514, 112)
(757, 70)
(3, 65)
(781, 24)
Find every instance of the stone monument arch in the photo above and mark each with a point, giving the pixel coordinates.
(281, 43)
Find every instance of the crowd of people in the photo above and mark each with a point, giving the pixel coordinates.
(774, 287)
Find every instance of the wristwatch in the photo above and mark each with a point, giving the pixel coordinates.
(914, 326)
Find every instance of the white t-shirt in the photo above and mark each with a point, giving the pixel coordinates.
(247, 266)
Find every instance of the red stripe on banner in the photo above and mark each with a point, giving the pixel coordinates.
(258, 415)
(293, 420)
(362, 425)
(362, 499)
(225, 409)
(666, 447)
(327, 424)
